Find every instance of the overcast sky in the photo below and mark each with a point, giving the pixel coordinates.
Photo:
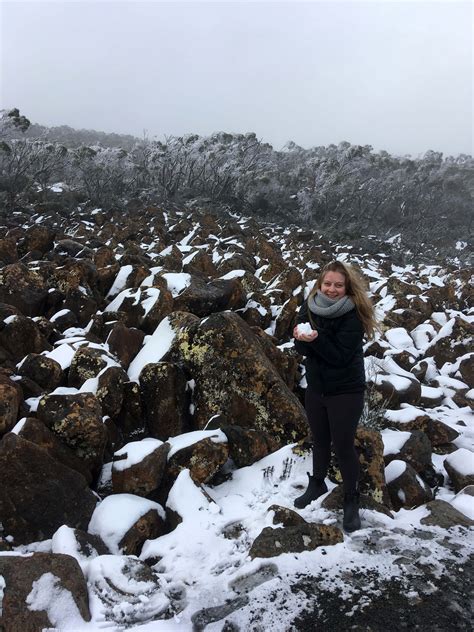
(395, 75)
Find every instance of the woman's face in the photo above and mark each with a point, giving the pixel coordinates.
(334, 285)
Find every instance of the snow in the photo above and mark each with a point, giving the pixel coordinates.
(464, 503)
(177, 282)
(47, 594)
(462, 461)
(120, 280)
(150, 299)
(154, 348)
(115, 515)
(187, 500)
(305, 328)
(394, 469)
(18, 426)
(400, 339)
(62, 312)
(116, 304)
(405, 414)
(394, 440)
(135, 452)
(233, 274)
(399, 383)
(189, 438)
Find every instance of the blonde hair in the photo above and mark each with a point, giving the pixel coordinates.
(356, 289)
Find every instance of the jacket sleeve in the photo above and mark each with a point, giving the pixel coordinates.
(337, 349)
(304, 348)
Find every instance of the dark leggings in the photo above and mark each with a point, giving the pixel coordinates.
(334, 418)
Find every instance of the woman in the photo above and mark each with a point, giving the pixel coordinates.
(339, 312)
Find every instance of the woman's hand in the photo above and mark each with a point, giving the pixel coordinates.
(305, 337)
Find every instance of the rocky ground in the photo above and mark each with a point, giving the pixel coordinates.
(153, 436)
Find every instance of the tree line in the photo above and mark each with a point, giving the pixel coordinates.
(343, 189)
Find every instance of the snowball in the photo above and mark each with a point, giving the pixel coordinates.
(305, 329)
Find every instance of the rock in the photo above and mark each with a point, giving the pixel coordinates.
(285, 362)
(39, 238)
(8, 250)
(396, 390)
(165, 400)
(10, 399)
(87, 363)
(464, 501)
(127, 591)
(64, 319)
(145, 307)
(437, 432)
(405, 487)
(247, 446)
(31, 479)
(110, 387)
(199, 262)
(130, 420)
(203, 459)
(202, 618)
(285, 319)
(125, 342)
(79, 544)
(148, 527)
(451, 342)
(45, 371)
(135, 520)
(460, 468)
(23, 288)
(334, 502)
(203, 299)
(444, 515)
(31, 585)
(466, 368)
(21, 336)
(35, 431)
(408, 317)
(77, 420)
(234, 378)
(369, 446)
(416, 451)
(303, 537)
(142, 477)
(286, 517)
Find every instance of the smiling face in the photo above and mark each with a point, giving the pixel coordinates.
(334, 285)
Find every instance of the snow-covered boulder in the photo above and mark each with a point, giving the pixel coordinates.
(464, 501)
(43, 591)
(139, 467)
(77, 543)
(126, 591)
(203, 452)
(445, 515)
(44, 371)
(460, 468)
(405, 487)
(125, 522)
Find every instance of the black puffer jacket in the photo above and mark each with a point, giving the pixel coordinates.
(335, 359)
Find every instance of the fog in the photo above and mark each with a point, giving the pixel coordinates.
(395, 75)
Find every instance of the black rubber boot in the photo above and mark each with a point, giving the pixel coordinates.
(351, 520)
(316, 488)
